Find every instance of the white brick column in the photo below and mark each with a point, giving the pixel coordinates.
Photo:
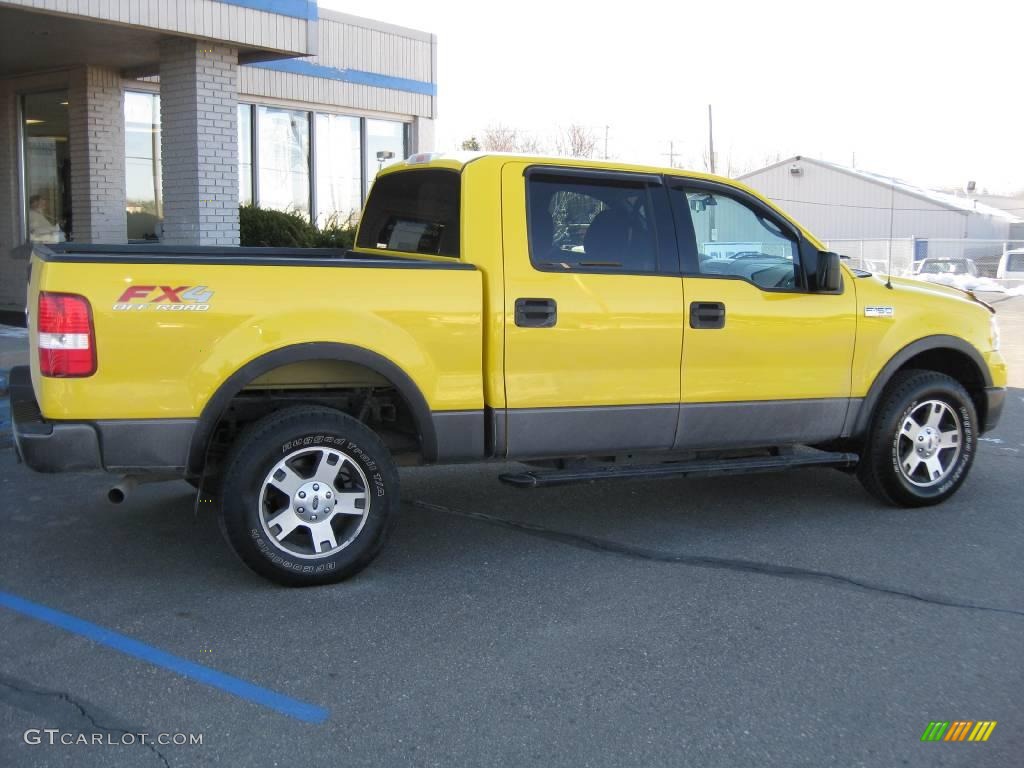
(199, 116)
(96, 146)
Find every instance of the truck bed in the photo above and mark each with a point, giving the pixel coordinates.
(175, 327)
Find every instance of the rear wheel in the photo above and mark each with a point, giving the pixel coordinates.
(309, 496)
(922, 440)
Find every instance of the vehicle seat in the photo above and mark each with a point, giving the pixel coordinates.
(607, 237)
(614, 237)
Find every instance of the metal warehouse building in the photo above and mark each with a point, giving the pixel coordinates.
(837, 203)
(153, 119)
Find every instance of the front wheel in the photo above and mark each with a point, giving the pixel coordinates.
(922, 440)
(309, 496)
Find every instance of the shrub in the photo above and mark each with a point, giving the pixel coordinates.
(266, 228)
(337, 232)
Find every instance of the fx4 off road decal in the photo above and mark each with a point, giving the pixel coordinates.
(164, 298)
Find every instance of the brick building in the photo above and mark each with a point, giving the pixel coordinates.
(152, 120)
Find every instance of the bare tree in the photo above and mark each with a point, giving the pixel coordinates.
(531, 145)
(706, 159)
(576, 141)
(500, 138)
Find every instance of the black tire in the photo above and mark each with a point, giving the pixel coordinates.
(308, 437)
(889, 450)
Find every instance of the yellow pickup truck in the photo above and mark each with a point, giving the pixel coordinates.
(589, 319)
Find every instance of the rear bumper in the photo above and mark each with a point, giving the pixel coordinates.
(131, 445)
(995, 397)
(46, 446)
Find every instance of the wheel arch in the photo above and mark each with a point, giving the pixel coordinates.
(942, 353)
(217, 406)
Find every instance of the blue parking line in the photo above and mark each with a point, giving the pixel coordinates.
(286, 705)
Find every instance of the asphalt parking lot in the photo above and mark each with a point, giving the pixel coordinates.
(777, 620)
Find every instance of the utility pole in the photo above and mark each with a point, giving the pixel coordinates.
(671, 154)
(711, 143)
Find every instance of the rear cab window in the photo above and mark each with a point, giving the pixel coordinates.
(414, 212)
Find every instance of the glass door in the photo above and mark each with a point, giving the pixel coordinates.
(47, 164)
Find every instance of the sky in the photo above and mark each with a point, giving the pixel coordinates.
(929, 92)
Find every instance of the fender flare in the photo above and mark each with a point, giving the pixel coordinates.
(217, 405)
(897, 361)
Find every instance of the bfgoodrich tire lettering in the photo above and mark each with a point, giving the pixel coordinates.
(921, 442)
(309, 496)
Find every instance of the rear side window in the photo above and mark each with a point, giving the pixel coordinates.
(413, 212)
(591, 225)
(1015, 262)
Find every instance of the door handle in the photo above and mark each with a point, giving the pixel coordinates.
(707, 314)
(536, 313)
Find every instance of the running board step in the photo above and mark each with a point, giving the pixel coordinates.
(694, 468)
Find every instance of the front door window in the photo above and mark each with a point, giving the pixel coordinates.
(734, 240)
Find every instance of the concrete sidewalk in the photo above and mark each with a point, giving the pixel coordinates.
(13, 347)
(13, 351)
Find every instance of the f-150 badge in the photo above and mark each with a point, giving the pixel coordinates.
(164, 298)
(879, 312)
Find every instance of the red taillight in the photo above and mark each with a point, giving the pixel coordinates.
(67, 341)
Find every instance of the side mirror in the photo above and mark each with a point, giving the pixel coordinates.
(829, 275)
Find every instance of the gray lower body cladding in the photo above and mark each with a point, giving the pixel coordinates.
(553, 432)
(163, 445)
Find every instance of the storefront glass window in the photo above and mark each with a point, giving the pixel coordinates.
(284, 160)
(47, 167)
(245, 154)
(143, 182)
(385, 144)
(338, 170)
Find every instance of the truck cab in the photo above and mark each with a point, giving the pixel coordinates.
(654, 310)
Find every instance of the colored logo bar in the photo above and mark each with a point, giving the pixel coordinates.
(958, 730)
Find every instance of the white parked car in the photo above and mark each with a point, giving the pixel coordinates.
(946, 266)
(1011, 265)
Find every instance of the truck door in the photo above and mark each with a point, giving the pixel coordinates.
(766, 360)
(593, 313)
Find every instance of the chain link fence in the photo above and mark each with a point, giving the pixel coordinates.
(906, 254)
